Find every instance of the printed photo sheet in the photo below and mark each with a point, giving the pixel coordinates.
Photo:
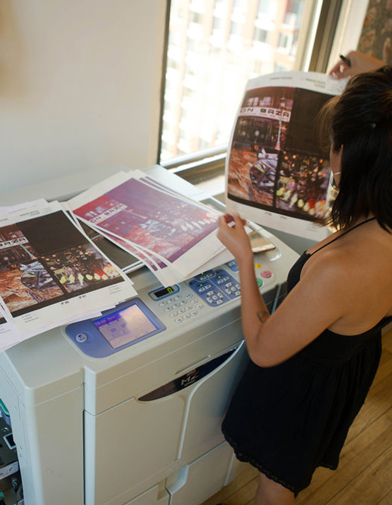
(178, 232)
(277, 174)
(164, 272)
(128, 256)
(214, 261)
(222, 257)
(204, 264)
(51, 273)
(115, 252)
(8, 337)
(21, 206)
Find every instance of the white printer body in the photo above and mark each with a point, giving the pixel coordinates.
(137, 424)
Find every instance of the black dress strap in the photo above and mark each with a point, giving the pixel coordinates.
(344, 233)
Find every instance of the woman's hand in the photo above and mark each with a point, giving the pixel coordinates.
(232, 234)
(360, 62)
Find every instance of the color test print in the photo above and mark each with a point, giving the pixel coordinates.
(275, 163)
(152, 219)
(45, 260)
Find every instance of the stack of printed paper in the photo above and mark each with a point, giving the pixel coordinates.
(51, 273)
(53, 270)
(174, 236)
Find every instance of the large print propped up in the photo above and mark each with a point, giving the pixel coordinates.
(276, 174)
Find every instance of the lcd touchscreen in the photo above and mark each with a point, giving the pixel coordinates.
(125, 326)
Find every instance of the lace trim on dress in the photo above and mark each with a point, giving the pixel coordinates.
(247, 459)
(253, 462)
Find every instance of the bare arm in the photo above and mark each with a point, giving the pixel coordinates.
(313, 305)
(254, 310)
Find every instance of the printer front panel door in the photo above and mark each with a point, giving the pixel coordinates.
(138, 443)
(128, 444)
(208, 404)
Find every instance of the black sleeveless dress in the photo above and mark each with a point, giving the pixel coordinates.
(289, 419)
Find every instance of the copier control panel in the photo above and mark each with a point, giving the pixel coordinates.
(166, 307)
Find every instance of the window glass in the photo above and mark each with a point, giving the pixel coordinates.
(214, 47)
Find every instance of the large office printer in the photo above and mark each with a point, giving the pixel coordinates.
(95, 423)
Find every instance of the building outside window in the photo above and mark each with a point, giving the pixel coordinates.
(214, 47)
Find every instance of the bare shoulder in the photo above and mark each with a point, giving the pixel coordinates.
(371, 247)
(330, 266)
(357, 272)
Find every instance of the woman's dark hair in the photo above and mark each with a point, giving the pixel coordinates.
(360, 120)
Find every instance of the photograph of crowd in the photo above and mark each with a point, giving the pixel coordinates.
(45, 260)
(275, 163)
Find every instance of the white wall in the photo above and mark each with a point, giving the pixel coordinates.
(79, 86)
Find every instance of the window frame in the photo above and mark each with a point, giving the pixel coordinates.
(314, 46)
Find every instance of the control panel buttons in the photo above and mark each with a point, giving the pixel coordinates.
(216, 286)
(263, 272)
(232, 265)
(181, 307)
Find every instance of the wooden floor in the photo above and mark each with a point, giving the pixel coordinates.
(364, 476)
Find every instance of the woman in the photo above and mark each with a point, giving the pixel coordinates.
(313, 360)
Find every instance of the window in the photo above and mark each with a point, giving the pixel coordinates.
(260, 35)
(214, 47)
(235, 28)
(283, 41)
(195, 17)
(267, 7)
